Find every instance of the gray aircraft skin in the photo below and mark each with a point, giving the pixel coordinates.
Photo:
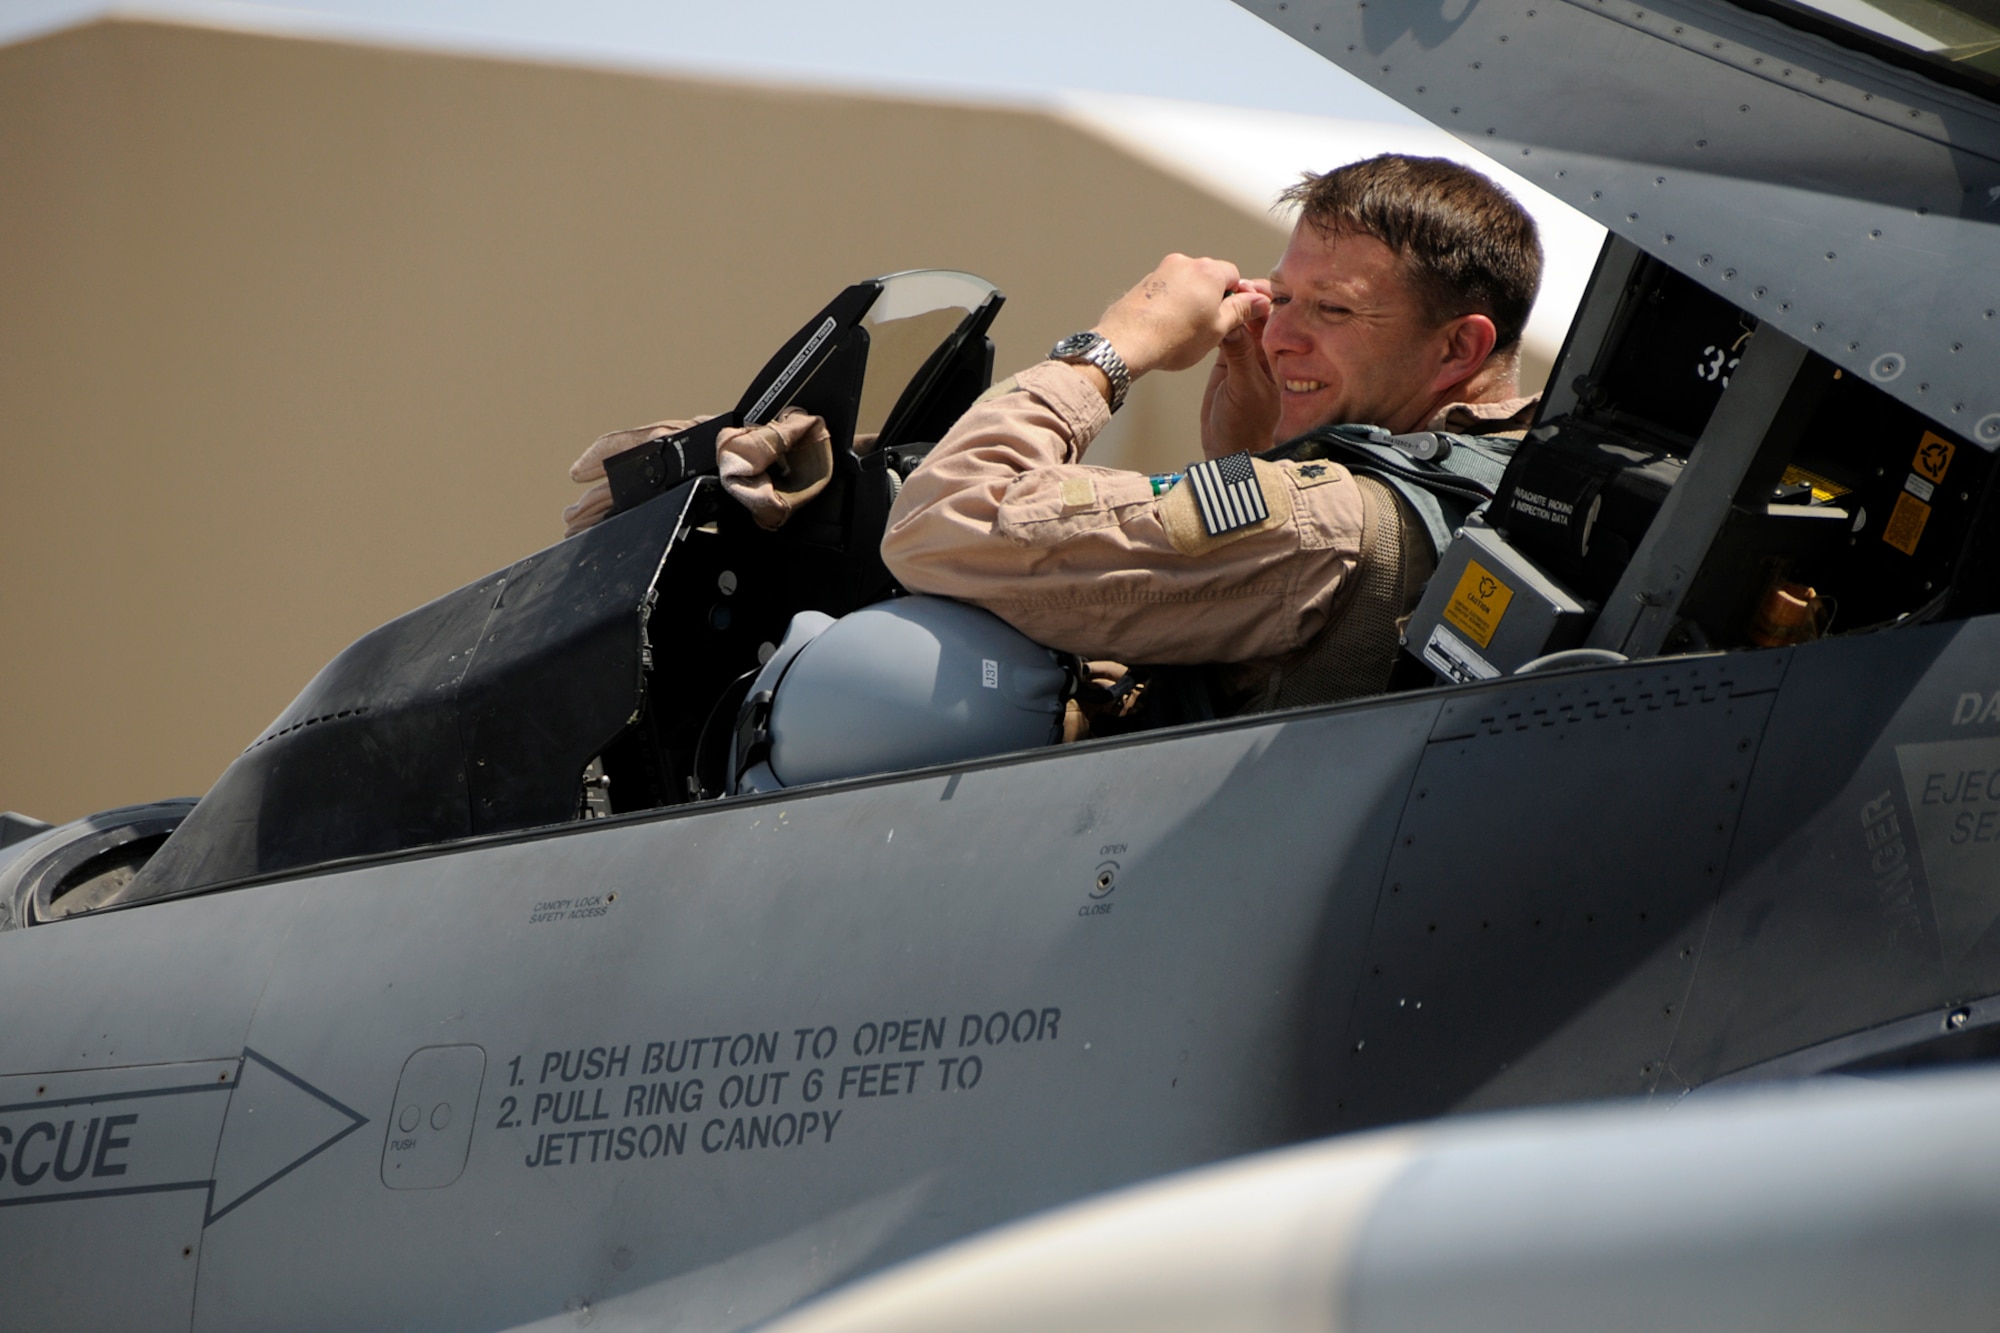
(397, 1030)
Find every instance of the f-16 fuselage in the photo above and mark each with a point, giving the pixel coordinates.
(398, 1028)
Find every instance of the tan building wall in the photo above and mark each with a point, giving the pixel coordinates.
(296, 335)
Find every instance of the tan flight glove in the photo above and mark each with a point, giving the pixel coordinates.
(771, 469)
(775, 468)
(591, 508)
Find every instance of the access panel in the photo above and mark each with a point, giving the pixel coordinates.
(1548, 888)
(1867, 882)
(105, 1178)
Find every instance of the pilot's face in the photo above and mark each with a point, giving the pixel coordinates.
(1347, 338)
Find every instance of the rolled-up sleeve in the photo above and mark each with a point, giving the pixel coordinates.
(1005, 514)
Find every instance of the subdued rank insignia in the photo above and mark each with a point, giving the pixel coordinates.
(1227, 493)
(1307, 475)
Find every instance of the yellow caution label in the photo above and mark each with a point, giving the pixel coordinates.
(1933, 457)
(1477, 603)
(1906, 523)
(1824, 489)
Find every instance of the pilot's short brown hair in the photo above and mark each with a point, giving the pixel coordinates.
(1466, 245)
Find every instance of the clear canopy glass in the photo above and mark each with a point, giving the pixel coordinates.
(915, 314)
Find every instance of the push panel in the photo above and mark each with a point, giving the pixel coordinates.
(733, 1055)
(1866, 885)
(424, 1146)
(1549, 886)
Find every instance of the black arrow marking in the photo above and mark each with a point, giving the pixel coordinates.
(355, 1120)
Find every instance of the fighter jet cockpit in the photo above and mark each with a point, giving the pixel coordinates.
(1694, 484)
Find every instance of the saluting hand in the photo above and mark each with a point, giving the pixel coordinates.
(1240, 406)
(1179, 313)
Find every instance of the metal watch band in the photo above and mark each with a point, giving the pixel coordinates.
(1096, 349)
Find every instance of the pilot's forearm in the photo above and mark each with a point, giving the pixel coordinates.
(943, 531)
(1005, 515)
(1044, 417)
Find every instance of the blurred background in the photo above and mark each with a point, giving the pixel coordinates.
(305, 311)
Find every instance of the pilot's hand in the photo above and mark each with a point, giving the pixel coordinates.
(591, 507)
(777, 467)
(1240, 406)
(1179, 312)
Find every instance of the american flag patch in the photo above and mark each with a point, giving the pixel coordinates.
(1227, 493)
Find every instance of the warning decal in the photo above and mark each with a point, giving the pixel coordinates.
(1477, 603)
(1906, 523)
(1455, 659)
(1933, 457)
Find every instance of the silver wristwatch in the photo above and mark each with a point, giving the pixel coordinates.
(1096, 349)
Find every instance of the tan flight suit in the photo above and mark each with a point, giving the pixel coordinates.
(1005, 514)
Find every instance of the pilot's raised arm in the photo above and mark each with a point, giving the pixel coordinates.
(1005, 513)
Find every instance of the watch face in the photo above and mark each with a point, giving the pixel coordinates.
(1093, 349)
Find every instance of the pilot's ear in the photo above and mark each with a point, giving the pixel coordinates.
(1467, 341)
